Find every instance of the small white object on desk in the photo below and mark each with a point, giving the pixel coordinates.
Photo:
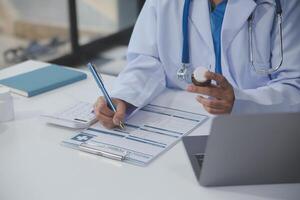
(79, 115)
(6, 105)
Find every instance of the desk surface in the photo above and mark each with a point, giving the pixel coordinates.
(34, 166)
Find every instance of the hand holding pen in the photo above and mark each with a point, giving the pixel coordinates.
(106, 116)
(110, 112)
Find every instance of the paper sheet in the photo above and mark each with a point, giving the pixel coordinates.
(149, 133)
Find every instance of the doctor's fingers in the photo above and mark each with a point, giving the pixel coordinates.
(107, 122)
(101, 107)
(120, 113)
(213, 110)
(214, 107)
(212, 103)
(220, 79)
(211, 91)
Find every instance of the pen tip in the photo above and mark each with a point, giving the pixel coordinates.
(122, 126)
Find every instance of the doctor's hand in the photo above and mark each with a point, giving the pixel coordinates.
(221, 96)
(108, 118)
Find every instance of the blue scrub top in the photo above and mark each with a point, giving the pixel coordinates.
(216, 20)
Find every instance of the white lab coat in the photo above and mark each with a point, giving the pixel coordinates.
(154, 53)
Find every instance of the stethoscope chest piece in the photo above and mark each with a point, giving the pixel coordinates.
(185, 73)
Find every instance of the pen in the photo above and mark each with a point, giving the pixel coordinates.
(100, 84)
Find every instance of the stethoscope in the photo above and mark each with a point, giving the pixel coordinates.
(185, 72)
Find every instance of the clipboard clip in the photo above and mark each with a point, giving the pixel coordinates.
(92, 150)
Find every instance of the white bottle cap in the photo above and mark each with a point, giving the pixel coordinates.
(199, 74)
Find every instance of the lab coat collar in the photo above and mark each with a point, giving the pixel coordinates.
(258, 2)
(200, 18)
(236, 15)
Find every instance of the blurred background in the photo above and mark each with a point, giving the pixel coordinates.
(67, 32)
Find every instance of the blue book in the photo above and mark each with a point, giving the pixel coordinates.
(42, 80)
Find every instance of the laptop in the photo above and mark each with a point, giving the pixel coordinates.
(246, 150)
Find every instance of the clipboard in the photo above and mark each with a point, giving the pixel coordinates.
(87, 148)
(150, 132)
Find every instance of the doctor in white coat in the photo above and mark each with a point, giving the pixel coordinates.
(154, 57)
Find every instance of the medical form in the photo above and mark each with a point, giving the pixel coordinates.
(150, 132)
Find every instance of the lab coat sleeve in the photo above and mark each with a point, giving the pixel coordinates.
(143, 78)
(282, 93)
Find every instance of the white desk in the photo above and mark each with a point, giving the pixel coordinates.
(34, 166)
